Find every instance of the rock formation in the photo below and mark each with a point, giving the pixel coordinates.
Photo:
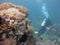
(14, 25)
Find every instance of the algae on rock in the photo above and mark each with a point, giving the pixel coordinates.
(15, 23)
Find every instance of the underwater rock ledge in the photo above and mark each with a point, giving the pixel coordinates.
(15, 27)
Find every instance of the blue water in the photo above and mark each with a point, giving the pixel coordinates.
(35, 11)
(37, 14)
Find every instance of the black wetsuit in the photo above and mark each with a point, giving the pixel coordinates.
(43, 28)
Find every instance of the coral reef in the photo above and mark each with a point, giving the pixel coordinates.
(15, 27)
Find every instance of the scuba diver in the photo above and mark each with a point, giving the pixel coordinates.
(46, 23)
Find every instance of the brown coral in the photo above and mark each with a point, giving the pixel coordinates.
(14, 16)
(10, 5)
(8, 10)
